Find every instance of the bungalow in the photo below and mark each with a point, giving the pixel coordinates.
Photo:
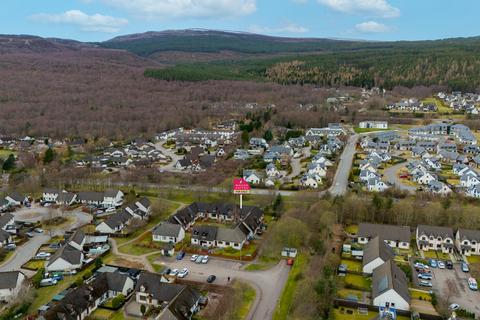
(114, 223)
(468, 242)
(168, 232)
(177, 301)
(141, 209)
(11, 283)
(321, 159)
(252, 176)
(395, 236)
(67, 258)
(77, 240)
(317, 169)
(15, 199)
(435, 238)
(390, 287)
(231, 237)
(204, 236)
(375, 253)
(272, 171)
(311, 181)
(438, 187)
(376, 185)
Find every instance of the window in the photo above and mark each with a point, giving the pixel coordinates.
(447, 240)
(465, 242)
(439, 239)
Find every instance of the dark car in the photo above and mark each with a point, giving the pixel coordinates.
(211, 278)
(449, 264)
(167, 271)
(54, 245)
(180, 255)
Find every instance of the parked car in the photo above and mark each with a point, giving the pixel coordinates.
(454, 307)
(441, 264)
(465, 267)
(183, 273)
(449, 264)
(54, 245)
(174, 272)
(199, 259)
(111, 209)
(167, 271)
(193, 258)
(205, 259)
(424, 283)
(38, 230)
(10, 246)
(180, 255)
(29, 234)
(48, 282)
(211, 278)
(425, 276)
(472, 284)
(342, 268)
(43, 255)
(433, 263)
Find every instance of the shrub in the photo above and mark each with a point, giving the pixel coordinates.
(118, 301)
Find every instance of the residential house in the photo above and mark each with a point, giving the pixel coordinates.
(311, 181)
(390, 287)
(140, 209)
(204, 236)
(115, 223)
(375, 253)
(438, 187)
(376, 185)
(272, 171)
(11, 283)
(168, 232)
(435, 238)
(394, 236)
(468, 242)
(373, 125)
(252, 176)
(67, 258)
(15, 199)
(77, 240)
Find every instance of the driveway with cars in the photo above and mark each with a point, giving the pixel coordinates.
(451, 284)
(268, 284)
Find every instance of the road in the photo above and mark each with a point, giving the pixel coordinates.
(340, 181)
(28, 250)
(169, 153)
(390, 175)
(268, 284)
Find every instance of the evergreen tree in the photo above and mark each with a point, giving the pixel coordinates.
(9, 163)
(49, 155)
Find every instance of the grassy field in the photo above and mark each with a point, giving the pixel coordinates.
(366, 130)
(248, 297)
(420, 295)
(473, 259)
(442, 107)
(283, 307)
(358, 281)
(349, 293)
(352, 314)
(4, 153)
(352, 265)
(35, 264)
(262, 263)
(104, 314)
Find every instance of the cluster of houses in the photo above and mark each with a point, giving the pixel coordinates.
(246, 222)
(134, 154)
(412, 105)
(200, 137)
(440, 131)
(197, 159)
(316, 171)
(172, 301)
(461, 102)
(373, 124)
(389, 282)
(105, 200)
(117, 222)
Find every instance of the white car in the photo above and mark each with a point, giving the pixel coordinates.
(183, 273)
(205, 259)
(174, 272)
(43, 254)
(454, 307)
(193, 258)
(441, 265)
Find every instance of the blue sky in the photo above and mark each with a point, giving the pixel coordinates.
(96, 20)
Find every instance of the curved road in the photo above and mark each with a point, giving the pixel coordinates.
(390, 175)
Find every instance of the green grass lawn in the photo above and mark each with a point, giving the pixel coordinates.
(262, 263)
(35, 264)
(442, 107)
(283, 307)
(430, 254)
(352, 265)
(349, 293)
(420, 295)
(473, 259)
(353, 315)
(357, 281)
(4, 153)
(352, 228)
(247, 251)
(104, 314)
(248, 297)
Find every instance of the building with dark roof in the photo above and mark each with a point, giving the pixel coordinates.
(468, 242)
(11, 283)
(435, 238)
(395, 236)
(168, 232)
(390, 287)
(204, 235)
(375, 253)
(67, 258)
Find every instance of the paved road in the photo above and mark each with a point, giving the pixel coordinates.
(25, 252)
(390, 175)
(340, 181)
(268, 284)
(169, 153)
(296, 163)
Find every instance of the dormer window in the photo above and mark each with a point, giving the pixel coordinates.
(447, 240)
(431, 238)
(439, 239)
(465, 242)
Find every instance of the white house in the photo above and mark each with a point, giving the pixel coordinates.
(390, 287)
(252, 176)
(317, 169)
(394, 236)
(272, 171)
(168, 232)
(376, 185)
(11, 283)
(375, 253)
(67, 258)
(435, 238)
(112, 199)
(468, 242)
(311, 181)
(373, 125)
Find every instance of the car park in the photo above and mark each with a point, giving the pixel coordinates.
(441, 265)
(472, 284)
(425, 276)
(183, 273)
(205, 259)
(180, 255)
(424, 283)
(193, 258)
(465, 267)
(211, 278)
(449, 264)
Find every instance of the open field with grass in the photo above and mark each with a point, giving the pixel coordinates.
(357, 281)
(4, 153)
(350, 294)
(352, 265)
(420, 295)
(248, 295)
(473, 259)
(366, 130)
(104, 314)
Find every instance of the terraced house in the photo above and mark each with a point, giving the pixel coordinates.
(435, 238)
(394, 236)
(468, 242)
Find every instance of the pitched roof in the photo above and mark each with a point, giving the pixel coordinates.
(389, 276)
(161, 291)
(5, 218)
(235, 235)
(377, 248)
(90, 196)
(167, 229)
(67, 253)
(77, 237)
(117, 219)
(8, 279)
(384, 231)
(435, 231)
(205, 233)
(467, 234)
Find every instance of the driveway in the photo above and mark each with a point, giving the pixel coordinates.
(296, 163)
(452, 285)
(340, 181)
(268, 284)
(390, 175)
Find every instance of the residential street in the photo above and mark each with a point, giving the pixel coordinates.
(268, 284)
(24, 253)
(390, 175)
(340, 181)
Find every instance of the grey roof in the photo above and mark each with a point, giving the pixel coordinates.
(182, 304)
(206, 233)
(377, 248)
(117, 219)
(467, 234)
(235, 235)
(66, 197)
(8, 280)
(77, 237)
(435, 231)
(167, 229)
(90, 196)
(389, 276)
(5, 218)
(116, 281)
(16, 196)
(160, 291)
(144, 202)
(4, 236)
(384, 231)
(67, 253)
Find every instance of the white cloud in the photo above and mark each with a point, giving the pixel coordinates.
(163, 9)
(91, 23)
(372, 27)
(380, 8)
(288, 28)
